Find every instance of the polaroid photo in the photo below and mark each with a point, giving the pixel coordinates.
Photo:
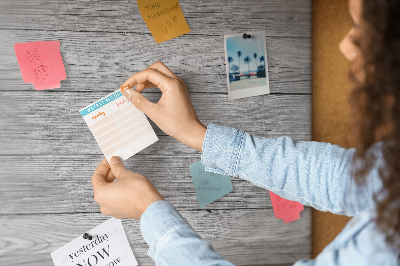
(246, 64)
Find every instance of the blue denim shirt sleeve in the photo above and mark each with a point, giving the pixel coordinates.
(172, 241)
(313, 173)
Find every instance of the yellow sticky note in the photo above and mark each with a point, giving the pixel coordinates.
(164, 18)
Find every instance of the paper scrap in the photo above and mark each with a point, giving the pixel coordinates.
(109, 246)
(209, 186)
(118, 126)
(287, 210)
(164, 18)
(41, 63)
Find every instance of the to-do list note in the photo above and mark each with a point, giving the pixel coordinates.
(164, 18)
(118, 126)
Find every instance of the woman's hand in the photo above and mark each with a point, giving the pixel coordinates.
(127, 197)
(174, 113)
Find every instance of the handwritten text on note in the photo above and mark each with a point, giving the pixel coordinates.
(164, 18)
(41, 63)
(209, 186)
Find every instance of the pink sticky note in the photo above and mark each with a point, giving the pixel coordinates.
(41, 63)
(284, 209)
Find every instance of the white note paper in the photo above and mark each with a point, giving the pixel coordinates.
(108, 247)
(118, 126)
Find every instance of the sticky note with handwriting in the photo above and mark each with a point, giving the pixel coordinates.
(41, 63)
(108, 246)
(164, 18)
(118, 126)
(287, 210)
(209, 186)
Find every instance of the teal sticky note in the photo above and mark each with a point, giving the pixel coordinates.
(209, 186)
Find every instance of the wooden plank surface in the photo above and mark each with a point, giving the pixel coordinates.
(47, 153)
(98, 56)
(282, 18)
(43, 234)
(63, 184)
(48, 122)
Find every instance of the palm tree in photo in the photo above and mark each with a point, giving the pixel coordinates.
(239, 55)
(247, 60)
(262, 59)
(230, 60)
(255, 60)
(234, 68)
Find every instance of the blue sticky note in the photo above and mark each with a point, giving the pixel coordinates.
(209, 186)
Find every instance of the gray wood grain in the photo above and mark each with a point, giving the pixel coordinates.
(281, 18)
(47, 153)
(48, 122)
(90, 65)
(30, 240)
(62, 184)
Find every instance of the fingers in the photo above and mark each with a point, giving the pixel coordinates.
(160, 67)
(142, 86)
(140, 102)
(110, 177)
(159, 80)
(117, 167)
(100, 174)
(157, 75)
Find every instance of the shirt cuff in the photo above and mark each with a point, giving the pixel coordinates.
(158, 219)
(222, 147)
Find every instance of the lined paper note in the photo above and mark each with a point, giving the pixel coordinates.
(118, 126)
(41, 63)
(164, 18)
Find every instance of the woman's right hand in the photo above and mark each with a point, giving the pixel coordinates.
(173, 113)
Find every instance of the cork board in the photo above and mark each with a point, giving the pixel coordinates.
(331, 90)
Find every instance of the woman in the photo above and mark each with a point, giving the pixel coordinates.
(316, 174)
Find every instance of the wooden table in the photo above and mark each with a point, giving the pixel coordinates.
(48, 154)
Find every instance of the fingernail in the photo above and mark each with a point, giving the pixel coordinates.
(125, 88)
(128, 93)
(115, 160)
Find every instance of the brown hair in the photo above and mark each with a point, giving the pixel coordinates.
(376, 107)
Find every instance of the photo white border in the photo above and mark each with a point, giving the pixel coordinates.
(248, 92)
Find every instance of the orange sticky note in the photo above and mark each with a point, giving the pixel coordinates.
(41, 63)
(287, 210)
(164, 18)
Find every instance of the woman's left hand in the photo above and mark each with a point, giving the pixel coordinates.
(127, 197)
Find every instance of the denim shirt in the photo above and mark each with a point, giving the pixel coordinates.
(312, 173)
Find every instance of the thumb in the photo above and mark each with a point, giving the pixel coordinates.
(117, 168)
(138, 100)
